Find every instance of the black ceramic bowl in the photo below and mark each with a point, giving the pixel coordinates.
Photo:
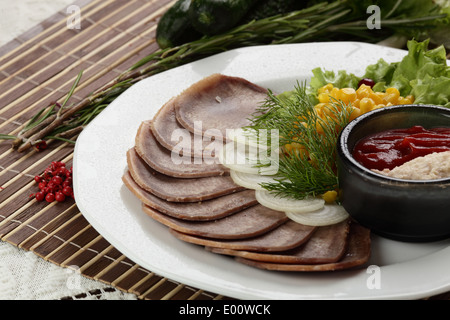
(405, 210)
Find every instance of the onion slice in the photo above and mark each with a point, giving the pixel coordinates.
(244, 136)
(246, 159)
(274, 202)
(250, 180)
(328, 215)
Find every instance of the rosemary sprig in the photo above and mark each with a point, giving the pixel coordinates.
(49, 118)
(320, 22)
(309, 168)
(7, 137)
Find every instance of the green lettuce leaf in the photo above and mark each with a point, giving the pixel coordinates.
(422, 73)
(341, 79)
(432, 91)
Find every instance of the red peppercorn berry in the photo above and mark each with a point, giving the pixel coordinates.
(42, 185)
(68, 191)
(57, 180)
(40, 196)
(50, 197)
(60, 197)
(55, 183)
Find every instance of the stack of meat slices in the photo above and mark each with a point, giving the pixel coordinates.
(199, 202)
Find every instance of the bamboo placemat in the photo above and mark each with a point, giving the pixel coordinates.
(38, 68)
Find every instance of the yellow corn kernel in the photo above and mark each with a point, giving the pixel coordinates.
(366, 105)
(330, 111)
(324, 97)
(347, 95)
(319, 126)
(302, 118)
(390, 98)
(362, 100)
(297, 145)
(326, 88)
(319, 109)
(377, 97)
(393, 92)
(334, 93)
(293, 146)
(355, 112)
(356, 103)
(363, 91)
(330, 196)
(402, 100)
(288, 147)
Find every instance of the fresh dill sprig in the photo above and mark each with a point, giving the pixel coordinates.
(308, 167)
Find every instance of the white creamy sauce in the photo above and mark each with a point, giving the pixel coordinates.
(429, 167)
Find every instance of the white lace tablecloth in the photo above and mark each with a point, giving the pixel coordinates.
(24, 275)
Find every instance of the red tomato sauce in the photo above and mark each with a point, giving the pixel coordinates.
(392, 148)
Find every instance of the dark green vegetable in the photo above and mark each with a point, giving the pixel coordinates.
(216, 16)
(266, 8)
(175, 27)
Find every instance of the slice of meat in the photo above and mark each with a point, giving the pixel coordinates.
(326, 245)
(218, 103)
(357, 254)
(287, 236)
(247, 223)
(173, 136)
(178, 190)
(162, 160)
(199, 211)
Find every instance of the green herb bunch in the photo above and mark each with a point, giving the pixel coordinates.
(309, 167)
(319, 21)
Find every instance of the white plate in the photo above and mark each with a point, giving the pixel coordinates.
(402, 270)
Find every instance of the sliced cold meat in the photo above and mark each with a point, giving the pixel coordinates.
(202, 204)
(287, 236)
(199, 211)
(247, 223)
(218, 103)
(164, 161)
(178, 190)
(171, 135)
(326, 245)
(357, 254)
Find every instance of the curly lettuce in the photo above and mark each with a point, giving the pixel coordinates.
(422, 73)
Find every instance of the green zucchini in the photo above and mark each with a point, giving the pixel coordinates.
(216, 16)
(174, 27)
